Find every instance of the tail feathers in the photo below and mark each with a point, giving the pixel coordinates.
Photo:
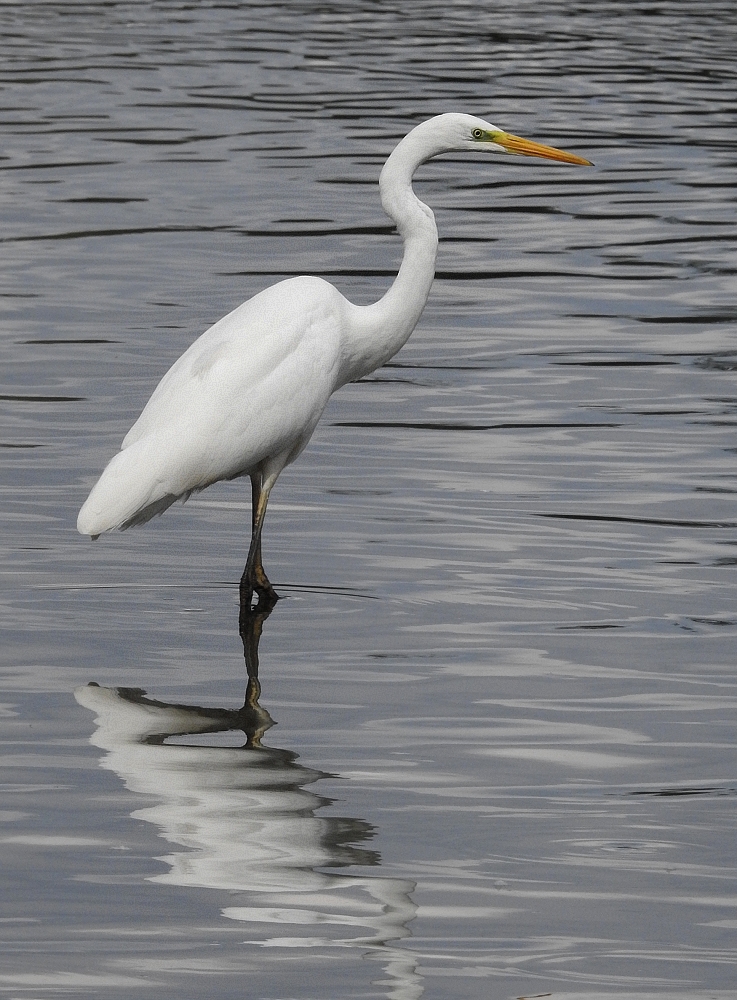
(153, 509)
(129, 492)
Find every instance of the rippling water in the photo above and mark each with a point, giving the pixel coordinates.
(503, 674)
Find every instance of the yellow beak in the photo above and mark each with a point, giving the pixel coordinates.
(515, 144)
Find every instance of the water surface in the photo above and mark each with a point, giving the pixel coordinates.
(493, 755)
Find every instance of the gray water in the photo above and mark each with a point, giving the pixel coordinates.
(497, 717)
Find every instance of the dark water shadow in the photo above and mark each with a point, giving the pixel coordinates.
(246, 817)
(686, 790)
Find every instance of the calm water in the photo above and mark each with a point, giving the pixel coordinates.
(498, 702)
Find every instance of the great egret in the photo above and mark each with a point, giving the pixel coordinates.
(244, 399)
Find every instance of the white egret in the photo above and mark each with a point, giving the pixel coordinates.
(245, 398)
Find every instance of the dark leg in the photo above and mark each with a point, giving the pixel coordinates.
(254, 578)
(255, 720)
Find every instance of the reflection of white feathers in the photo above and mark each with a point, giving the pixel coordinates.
(249, 824)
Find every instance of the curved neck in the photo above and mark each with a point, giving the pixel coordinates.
(379, 330)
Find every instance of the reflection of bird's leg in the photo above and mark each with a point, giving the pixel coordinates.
(251, 622)
(254, 578)
(251, 626)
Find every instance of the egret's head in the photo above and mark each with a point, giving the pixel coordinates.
(456, 133)
(481, 136)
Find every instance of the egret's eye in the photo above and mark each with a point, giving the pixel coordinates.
(478, 133)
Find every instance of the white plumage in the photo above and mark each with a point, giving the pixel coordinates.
(219, 411)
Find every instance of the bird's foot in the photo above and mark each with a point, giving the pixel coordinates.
(257, 586)
(266, 598)
(263, 587)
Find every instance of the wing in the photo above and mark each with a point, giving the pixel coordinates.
(251, 389)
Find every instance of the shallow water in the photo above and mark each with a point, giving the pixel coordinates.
(502, 677)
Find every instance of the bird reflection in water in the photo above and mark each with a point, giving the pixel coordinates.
(247, 818)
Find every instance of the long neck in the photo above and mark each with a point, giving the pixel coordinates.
(379, 330)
